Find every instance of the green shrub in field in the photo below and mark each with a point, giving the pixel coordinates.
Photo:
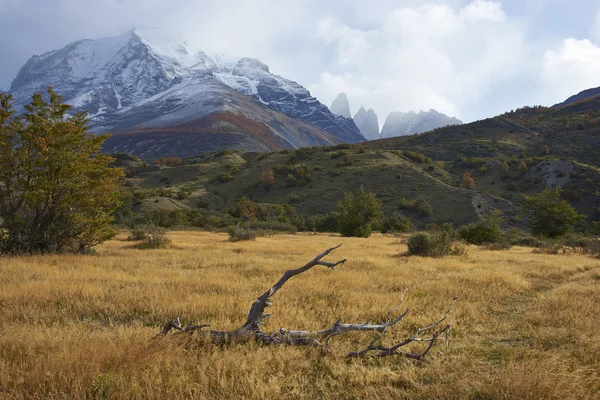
(398, 223)
(357, 215)
(238, 233)
(138, 233)
(438, 243)
(549, 215)
(155, 239)
(326, 223)
(486, 230)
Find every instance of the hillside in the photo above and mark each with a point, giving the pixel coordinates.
(558, 146)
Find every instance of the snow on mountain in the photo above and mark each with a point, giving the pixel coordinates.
(401, 124)
(146, 78)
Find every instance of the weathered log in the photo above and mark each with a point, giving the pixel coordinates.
(251, 330)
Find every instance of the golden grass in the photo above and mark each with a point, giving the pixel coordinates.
(525, 325)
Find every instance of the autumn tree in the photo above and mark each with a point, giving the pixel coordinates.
(468, 181)
(57, 191)
(268, 179)
(522, 168)
(545, 150)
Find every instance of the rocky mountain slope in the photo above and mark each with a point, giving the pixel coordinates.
(368, 123)
(146, 82)
(401, 124)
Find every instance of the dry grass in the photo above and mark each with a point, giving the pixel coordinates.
(83, 326)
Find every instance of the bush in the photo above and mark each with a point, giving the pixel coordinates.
(417, 157)
(549, 215)
(137, 234)
(326, 223)
(291, 180)
(468, 181)
(268, 179)
(224, 177)
(155, 239)
(234, 169)
(58, 190)
(436, 244)
(238, 233)
(397, 224)
(357, 215)
(485, 231)
(420, 205)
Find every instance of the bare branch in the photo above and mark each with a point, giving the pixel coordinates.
(384, 351)
(173, 324)
(256, 313)
(251, 330)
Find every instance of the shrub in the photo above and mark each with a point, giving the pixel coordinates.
(417, 157)
(183, 194)
(238, 233)
(326, 223)
(268, 179)
(420, 205)
(291, 180)
(485, 231)
(347, 161)
(234, 169)
(224, 177)
(397, 224)
(244, 209)
(137, 234)
(436, 244)
(468, 181)
(423, 207)
(155, 239)
(357, 215)
(58, 191)
(549, 215)
(522, 168)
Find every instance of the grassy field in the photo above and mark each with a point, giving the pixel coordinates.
(525, 325)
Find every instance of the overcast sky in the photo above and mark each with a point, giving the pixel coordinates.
(467, 58)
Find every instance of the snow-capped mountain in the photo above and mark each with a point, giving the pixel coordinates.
(144, 81)
(401, 124)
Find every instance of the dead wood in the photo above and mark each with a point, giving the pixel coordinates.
(251, 330)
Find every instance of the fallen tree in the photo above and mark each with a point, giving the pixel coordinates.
(251, 330)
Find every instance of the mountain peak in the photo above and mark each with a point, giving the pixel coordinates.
(408, 123)
(341, 106)
(147, 79)
(368, 123)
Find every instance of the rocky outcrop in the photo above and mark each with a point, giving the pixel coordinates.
(368, 123)
(341, 106)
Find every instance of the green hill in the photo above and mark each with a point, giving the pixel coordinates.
(560, 147)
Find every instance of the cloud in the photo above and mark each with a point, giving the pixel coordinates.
(571, 67)
(467, 58)
(421, 57)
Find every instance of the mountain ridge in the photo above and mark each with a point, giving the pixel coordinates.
(144, 79)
